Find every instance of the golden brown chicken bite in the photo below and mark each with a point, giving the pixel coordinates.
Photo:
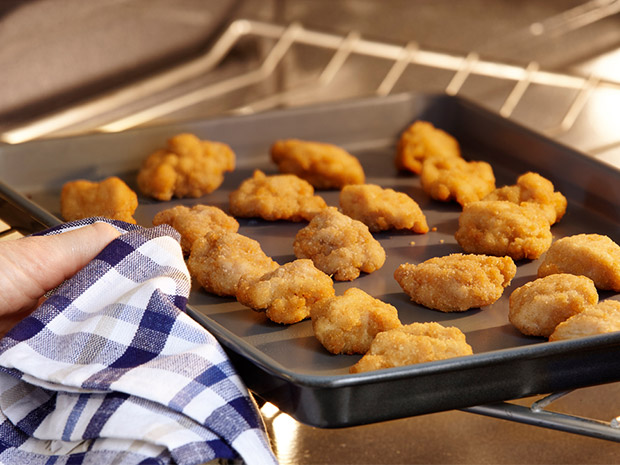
(448, 179)
(110, 198)
(413, 343)
(221, 258)
(347, 324)
(325, 166)
(534, 189)
(193, 223)
(602, 318)
(339, 245)
(593, 255)
(537, 307)
(498, 227)
(276, 197)
(382, 209)
(456, 282)
(420, 141)
(288, 293)
(188, 167)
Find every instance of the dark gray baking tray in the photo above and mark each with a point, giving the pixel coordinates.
(286, 365)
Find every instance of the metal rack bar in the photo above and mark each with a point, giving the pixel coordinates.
(398, 68)
(514, 97)
(459, 78)
(536, 415)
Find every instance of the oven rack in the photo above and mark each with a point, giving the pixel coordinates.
(521, 78)
(280, 40)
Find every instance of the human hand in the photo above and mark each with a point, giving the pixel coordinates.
(34, 265)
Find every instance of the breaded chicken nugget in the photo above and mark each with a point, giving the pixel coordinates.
(193, 223)
(325, 166)
(277, 197)
(533, 188)
(597, 319)
(221, 258)
(339, 245)
(347, 324)
(414, 343)
(456, 282)
(188, 167)
(288, 293)
(420, 141)
(382, 209)
(592, 255)
(110, 198)
(498, 227)
(453, 178)
(537, 307)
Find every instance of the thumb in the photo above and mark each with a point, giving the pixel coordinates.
(31, 266)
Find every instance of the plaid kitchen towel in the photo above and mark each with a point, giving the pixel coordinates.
(109, 369)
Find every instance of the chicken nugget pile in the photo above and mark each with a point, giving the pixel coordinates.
(593, 255)
(499, 229)
(110, 198)
(413, 343)
(287, 293)
(339, 245)
(454, 178)
(219, 260)
(601, 318)
(422, 140)
(325, 166)
(496, 227)
(193, 223)
(534, 189)
(347, 324)
(382, 209)
(538, 306)
(187, 167)
(456, 282)
(276, 197)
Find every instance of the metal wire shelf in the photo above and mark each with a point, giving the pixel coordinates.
(399, 57)
(343, 47)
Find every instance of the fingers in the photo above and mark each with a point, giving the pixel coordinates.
(31, 266)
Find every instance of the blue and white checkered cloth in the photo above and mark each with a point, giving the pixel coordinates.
(109, 369)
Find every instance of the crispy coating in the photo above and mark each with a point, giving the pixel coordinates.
(597, 319)
(382, 209)
(339, 245)
(413, 343)
(448, 179)
(593, 255)
(276, 197)
(538, 306)
(456, 282)
(219, 259)
(533, 188)
(420, 141)
(499, 227)
(193, 223)
(188, 167)
(110, 198)
(325, 166)
(347, 324)
(287, 293)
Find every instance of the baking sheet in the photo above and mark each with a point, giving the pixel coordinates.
(286, 365)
